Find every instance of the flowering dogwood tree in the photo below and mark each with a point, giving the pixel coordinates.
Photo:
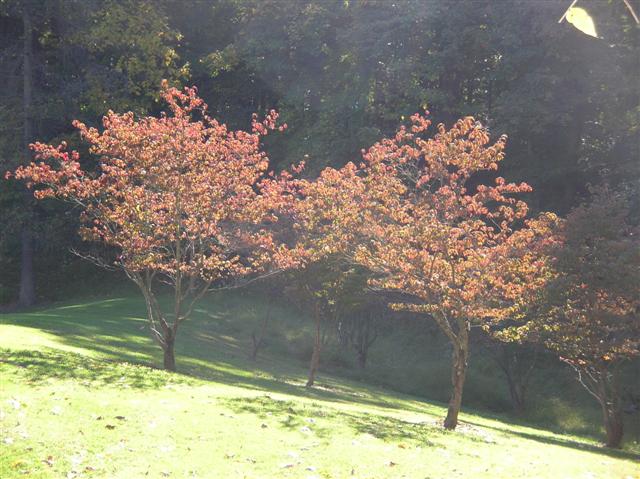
(429, 227)
(316, 226)
(589, 312)
(176, 196)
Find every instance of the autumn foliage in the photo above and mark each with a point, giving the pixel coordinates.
(177, 197)
(417, 216)
(587, 311)
(189, 203)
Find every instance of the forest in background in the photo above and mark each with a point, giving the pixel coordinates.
(341, 73)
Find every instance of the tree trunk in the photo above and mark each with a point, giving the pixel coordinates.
(607, 393)
(517, 363)
(614, 427)
(257, 340)
(458, 373)
(315, 356)
(362, 358)
(313, 366)
(169, 352)
(517, 393)
(27, 295)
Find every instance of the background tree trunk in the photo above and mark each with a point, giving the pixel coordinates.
(362, 358)
(27, 294)
(517, 392)
(317, 345)
(258, 339)
(517, 364)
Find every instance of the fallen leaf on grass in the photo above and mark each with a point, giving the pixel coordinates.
(48, 461)
(109, 426)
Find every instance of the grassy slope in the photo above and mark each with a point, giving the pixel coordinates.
(73, 404)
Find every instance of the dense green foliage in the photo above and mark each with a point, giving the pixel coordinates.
(342, 73)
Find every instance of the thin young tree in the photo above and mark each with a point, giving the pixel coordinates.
(316, 228)
(176, 196)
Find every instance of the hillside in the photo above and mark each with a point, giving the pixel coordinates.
(80, 398)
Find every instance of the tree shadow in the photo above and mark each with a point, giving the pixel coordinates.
(39, 366)
(290, 415)
(294, 416)
(116, 330)
(557, 441)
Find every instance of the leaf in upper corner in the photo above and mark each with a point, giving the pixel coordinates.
(580, 18)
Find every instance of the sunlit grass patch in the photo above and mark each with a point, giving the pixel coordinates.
(81, 396)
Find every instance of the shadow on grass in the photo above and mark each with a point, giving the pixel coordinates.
(38, 366)
(556, 441)
(294, 416)
(117, 331)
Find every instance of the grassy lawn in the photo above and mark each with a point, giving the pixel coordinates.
(80, 398)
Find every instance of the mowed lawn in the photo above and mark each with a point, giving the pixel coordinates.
(79, 397)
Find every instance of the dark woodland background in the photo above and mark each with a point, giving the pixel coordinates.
(343, 73)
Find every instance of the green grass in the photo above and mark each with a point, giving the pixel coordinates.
(80, 398)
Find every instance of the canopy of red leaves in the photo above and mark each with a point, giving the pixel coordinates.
(416, 214)
(174, 194)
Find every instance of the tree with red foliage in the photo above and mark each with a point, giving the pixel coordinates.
(316, 227)
(589, 312)
(410, 215)
(176, 196)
